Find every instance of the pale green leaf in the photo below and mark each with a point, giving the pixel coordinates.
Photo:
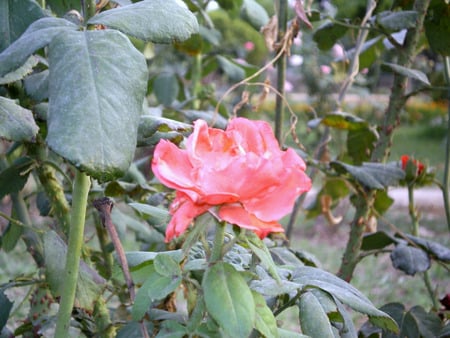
(16, 122)
(408, 72)
(38, 35)
(160, 21)
(97, 87)
(20, 72)
(265, 321)
(313, 319)
(229, 300)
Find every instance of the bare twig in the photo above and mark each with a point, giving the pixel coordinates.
(104, 206)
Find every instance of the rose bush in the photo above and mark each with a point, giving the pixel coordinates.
(240, 175)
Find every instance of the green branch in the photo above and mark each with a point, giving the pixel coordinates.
(80, 194)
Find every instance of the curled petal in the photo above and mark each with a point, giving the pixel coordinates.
(236, 214)
(183, 212)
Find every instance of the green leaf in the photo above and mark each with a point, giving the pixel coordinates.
(436, 249)
(313, 319)
(265, 321)
(16, 122)
(372, 175)
(166, 88)
(172, 329)
(408, 72)
(342, 120)
(160, 21)
(360, 143)
(369, 53)
(133, 330)
(283, 333)
(213, 118)
(136, 258)
(39, 34)
(343, 291)
(254, 13)
(429, 323)
(232, 69)
(410, 259)
(328, 34)
(230, 5)
(396, 21)
(15, 17)
(260, 249)
(382, 201)
(10, 237)
(154, 128)
(377, 240)
(20, 72)
(94, 125)
(155, 215)
(165, 265)
(229, 300)
(61, 7)
(5, 308)
(437, 27)
(90, 284)
(14, 177)
(36, 85)
(155, 288)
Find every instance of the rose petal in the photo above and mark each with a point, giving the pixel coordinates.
(183, 212)
(236, 214)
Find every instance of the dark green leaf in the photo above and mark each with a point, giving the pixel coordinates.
(230, 5)
(10, 237)
(16, 122)
(89, 285)
(313, 319)
(436, 249)
(15, 17)
(155, 215)
(38, 35)
(445, 332)
(172, 329)
(328, 34)
(372, 175)
(229, 300)
(437, 27)
(165, 265)
(5, 309)
(429, 323)
(382, 201)
(360, 143)
(369, 53)
(36, 85)
(408, 72)
(133, 330)
(233, 70)
(409, 259)
(94, 125)
(154, 128)
(377, 240)
(396, 21)
(160, 21)
(155, 288)
(344, 292)
(20, 72)
(283, 333)
(14, 177)
(265, 321)
(166, 88)
(254, 13)
(214, 119)
(61, 7)
(136, 258)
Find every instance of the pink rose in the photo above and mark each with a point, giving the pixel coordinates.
(240, 175)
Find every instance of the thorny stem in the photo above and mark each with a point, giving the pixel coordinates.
(81, 187)
(446, 181)
(381, 152)
(281, 72)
